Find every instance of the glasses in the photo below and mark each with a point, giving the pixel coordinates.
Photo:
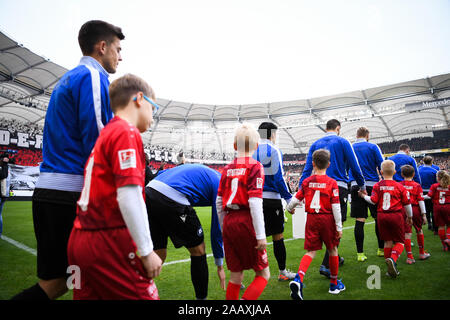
(155, 106)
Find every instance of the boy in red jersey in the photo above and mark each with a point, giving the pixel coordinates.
(415, 194)
(440, 195)
(390, 198)
(110, 241)
(240, 211)
(324, 225)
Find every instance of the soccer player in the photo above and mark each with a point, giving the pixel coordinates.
(323, 223)
(275, 188)
(427, 173)
(110, 240)
(240, 210)
(390, 197)
(370, 158)
(401, 158)
(419, 218)
(440, 194)
(342, 159)
(170, 199)
(78, 110)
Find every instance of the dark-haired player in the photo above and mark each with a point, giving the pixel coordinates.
(78, 110)
(275, 189)
(342, 159)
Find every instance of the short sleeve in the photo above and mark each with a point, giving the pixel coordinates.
(334, 192)
(404, 196)
(255, 182)
(420, 193)
(125, 154)
(375, 196)
(300, 195)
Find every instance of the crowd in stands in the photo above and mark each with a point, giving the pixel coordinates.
(416, 144)
(14, 126)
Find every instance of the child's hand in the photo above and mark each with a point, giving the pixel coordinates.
(261, 244)
(361, 193)
(409, 221)
(425, 221)
(339, 234)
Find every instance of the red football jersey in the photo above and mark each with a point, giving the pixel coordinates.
(414, 191)
(439, 195)
(241, 179)
(390, 196)
(117, 160)
(319, 192)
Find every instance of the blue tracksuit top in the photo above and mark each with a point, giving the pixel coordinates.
(272, 160)
(401, 159)
(78, 109)
(343, 158)
(370, 158)
(195, 185)
(427, 176)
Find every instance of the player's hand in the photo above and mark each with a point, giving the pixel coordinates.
(425, 221)
(409, 221)
(152, 264)
(261, 244)
(221, 274)
(339, 235)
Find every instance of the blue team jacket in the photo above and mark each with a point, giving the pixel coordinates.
(272, 160)
(195, 185)
(427, 176)
(401, 159)
(78, 109)
(370, 158)
(343, 158)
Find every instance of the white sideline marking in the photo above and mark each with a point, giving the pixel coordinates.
(33, 251)
(19, 245)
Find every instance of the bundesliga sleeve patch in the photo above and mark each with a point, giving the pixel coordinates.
(259, 183)
(336, 192)
(127, 159)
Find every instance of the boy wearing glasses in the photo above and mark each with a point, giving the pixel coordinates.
(110, 240)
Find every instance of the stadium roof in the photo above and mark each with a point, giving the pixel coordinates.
(27, 80)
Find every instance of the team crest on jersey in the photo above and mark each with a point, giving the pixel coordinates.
(127, 159)
(259, 183)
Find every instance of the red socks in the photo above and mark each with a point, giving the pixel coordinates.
(304, 265)
(408, 248)
(233, 291)
(387, 252)
(255, 289)
(420, 243)
(334, 267)
(397, 251)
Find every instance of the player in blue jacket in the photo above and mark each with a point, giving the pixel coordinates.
(275, 188)
(427, 173)
(79, 108)
(342, 160)
(170, 199)
(370, 158)
(401, 158)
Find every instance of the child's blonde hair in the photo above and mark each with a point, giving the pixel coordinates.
(444, 178)
(388, 167)
(246, 138)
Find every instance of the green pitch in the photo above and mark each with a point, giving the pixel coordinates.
(423, 280)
